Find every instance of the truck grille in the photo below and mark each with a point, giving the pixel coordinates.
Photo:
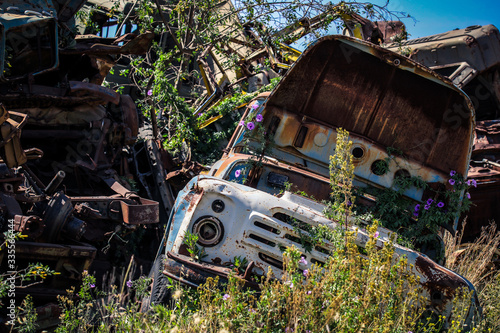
(271, 235)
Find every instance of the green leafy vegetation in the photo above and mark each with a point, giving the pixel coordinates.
(33, 274)
(417, 224)
(350, 293)
(341, 177)
(196, 252)
(173, 84)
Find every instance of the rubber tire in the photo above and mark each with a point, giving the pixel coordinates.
(160, 292)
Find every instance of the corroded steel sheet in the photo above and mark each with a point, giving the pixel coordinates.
(380, 95)
(485, 169)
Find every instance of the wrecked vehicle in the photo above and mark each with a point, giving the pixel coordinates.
(383, 100)
(470, 58)
(485, 169)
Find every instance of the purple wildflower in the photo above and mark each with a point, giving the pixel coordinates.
(426, 207)
(417, 207)
(468, 195)
(242, 123)
(376, 234)
(237, 173)
(250, 126)
(255, 106)
(453, 173)
(429, 201)
(415, 214)
(440, 204)
(129, 283)
(309, 292)
(474, 183)
(225, 297)
(305, 272)
(150, 92)
(451, 181)
(259, 118)
(200, 114)
(252, 310)
(91, 285)
(303, 261)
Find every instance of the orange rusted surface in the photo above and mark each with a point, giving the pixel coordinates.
(378, 94)
(485, 169)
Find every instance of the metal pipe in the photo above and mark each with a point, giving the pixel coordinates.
(55, 182)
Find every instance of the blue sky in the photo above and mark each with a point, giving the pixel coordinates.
(443, 15)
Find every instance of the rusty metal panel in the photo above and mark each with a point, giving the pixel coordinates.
(181, 268)
(460, 54)
(311, 183)
(130, 211)
(146, 212)
(92, 45)
(10, 132)
(485, 169)
(484, 209)
(83, 88)
(378, 94)
(54, 251)
(319, 143)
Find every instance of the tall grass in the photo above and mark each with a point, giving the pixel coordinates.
(478, 263)
(350, 293)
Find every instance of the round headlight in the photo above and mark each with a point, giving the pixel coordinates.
(218, 206)
(209, 230)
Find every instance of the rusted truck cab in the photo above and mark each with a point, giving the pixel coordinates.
(243, 209)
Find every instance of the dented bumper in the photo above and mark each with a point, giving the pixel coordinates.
(181, 268)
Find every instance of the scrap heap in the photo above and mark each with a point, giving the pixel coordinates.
(72, 172)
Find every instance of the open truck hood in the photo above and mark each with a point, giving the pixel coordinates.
(382, 96)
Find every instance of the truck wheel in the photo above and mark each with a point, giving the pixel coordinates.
(160, 292)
